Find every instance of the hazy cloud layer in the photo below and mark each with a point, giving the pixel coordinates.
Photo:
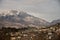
(47, 9)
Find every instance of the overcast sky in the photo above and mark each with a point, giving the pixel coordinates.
(46, 9)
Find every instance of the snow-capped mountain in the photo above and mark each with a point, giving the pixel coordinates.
(20, 18)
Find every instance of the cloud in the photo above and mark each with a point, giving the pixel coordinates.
(0, 1)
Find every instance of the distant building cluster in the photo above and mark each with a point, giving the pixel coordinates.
(31, 33)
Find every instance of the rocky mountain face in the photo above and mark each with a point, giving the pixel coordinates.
(16, 18)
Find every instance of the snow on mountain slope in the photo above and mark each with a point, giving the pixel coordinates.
(15, 17)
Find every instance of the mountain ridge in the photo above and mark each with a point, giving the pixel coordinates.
(22, 18)
(55, 22)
